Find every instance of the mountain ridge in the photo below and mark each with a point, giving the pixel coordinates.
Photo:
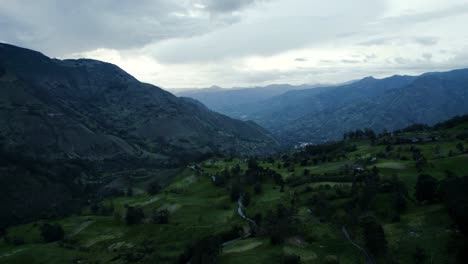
(324, 113)
(72, 131)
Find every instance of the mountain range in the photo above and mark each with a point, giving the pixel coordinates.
(68, 127)
(313, 115)
(88, 109)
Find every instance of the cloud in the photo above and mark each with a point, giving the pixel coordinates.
(278, 27)
(199, 43)
(426, 41)
(226, 6)
(449, 11)
(398, 40)
(350, 61)
(66, 26)
(427, 56)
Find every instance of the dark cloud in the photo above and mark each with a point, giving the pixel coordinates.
(441, 13)
(426, 41)
(421, 40)
(205, 42)
(350, 61)
(65, 26)
(227, 6)
(427, 56)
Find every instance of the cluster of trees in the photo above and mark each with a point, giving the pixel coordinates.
(457, 120)
(153, 188)
(135, 215)
(52, 232)
(279, 223)
(453, 192)
(374, 236)
(413, 128)
(236, 180)
(360, 134)
(203, 251)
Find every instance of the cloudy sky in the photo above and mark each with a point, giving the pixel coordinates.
(199, 43)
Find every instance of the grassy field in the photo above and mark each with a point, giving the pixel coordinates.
(198, 208)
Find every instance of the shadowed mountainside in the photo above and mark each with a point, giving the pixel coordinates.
(67, 125)
(325, 113)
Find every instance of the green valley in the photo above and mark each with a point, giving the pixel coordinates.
(388, 198)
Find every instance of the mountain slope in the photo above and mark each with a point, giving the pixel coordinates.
(94, 110)
(69, 128)
(325, 113)
(236, 102)
(426, 99)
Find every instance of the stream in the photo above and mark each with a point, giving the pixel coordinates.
(241, 213)
(348, 237)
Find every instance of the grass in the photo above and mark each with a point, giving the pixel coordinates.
(198, 208)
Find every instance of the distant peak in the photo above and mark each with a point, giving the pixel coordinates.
(369, 78)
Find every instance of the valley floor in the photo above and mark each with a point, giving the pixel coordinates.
(200, 206)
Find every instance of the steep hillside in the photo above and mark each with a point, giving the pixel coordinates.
(237, 102)
(392, 198)
(67, 124)
(325, 113)
(94, 110)
(427, 99)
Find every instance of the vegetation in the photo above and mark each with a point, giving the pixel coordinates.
(394, 198)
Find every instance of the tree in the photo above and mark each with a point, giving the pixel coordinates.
(460, 147)
(236, 170)
(204, 251)
(455, 196)
(331, 260)
(399, 202)
(235, 192)
(246, 199)
(419, 256)
(129, 192)
(52, 232)
(374, 236)
(280, 223)
(134, 215)
(160, 216)
(258, 188)
(291, 259)
(426, 188)
(153, 188)
(252, 164)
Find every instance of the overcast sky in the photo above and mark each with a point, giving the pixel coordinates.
(199, 43)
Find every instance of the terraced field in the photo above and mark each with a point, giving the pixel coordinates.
(200, 205)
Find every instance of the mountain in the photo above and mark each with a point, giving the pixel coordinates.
(325, 113)
(357, 200)
(94, 110)
(236, 102)
(65, 123)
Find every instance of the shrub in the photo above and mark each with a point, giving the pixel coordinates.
(291, 259)
(426, 188)
(331, 260)
(52, 232)
(160, 217)
(153, 188)
(134, 216)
